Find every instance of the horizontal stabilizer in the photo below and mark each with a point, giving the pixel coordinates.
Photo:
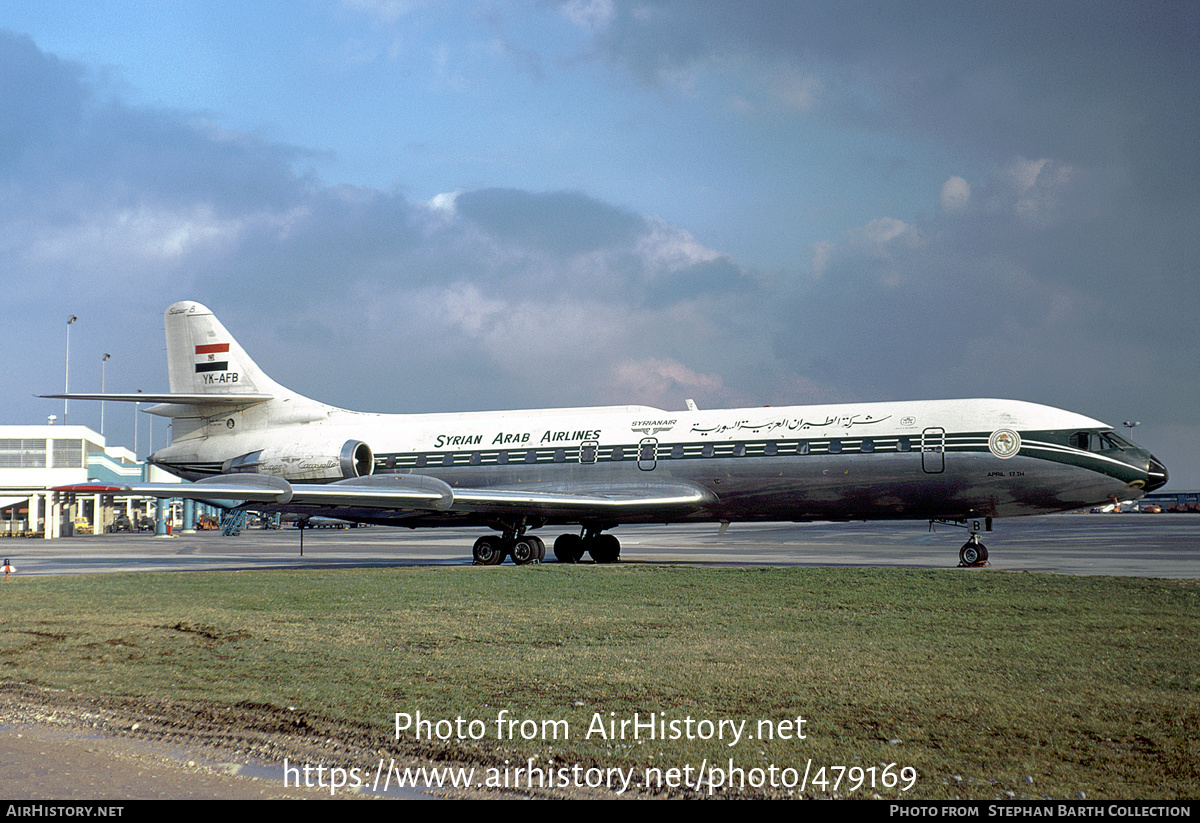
(209, 400)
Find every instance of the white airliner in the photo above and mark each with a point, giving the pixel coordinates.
(249, 441)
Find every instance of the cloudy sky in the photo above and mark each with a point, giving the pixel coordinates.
(399, 205)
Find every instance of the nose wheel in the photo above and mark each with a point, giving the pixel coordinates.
(973, 553)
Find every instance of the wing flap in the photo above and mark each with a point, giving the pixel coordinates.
(575, 498)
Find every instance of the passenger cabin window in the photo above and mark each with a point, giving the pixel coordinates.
(868, 445)
(835, 446)
(771, 449)
(802, 447)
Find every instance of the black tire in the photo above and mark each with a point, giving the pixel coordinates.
(524, 551)
(604, 548)
(488, 551)
(568, 548)
(972, 554)
(540, 545)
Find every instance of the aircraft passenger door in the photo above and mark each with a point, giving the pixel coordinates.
(647, 453)
(933, 450)
(588, 450)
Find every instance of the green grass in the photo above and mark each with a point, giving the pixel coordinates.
(977, 680)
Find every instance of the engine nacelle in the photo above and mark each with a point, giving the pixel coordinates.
(318, 460)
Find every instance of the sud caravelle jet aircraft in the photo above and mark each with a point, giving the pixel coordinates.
(248, 441)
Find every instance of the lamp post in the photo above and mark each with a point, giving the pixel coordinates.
(135, 428)
(103, 363)
(67, 379)
(1129, 424)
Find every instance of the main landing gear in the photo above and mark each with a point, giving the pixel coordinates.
(490, 550)
(604, 548)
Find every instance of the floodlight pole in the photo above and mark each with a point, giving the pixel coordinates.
(103, 362)
(67, 379)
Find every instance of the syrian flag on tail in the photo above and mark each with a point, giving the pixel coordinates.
(207, 357)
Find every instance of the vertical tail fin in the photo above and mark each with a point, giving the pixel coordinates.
(203, 358)
(218, 393)
(211, 376)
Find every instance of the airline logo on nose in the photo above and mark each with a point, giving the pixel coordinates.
(209, 354)
(1004, 443)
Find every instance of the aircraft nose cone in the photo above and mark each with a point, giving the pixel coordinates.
(1156, 475)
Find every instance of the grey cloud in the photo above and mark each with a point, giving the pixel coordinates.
(559, 222)
(41, 98)
(1089, 83)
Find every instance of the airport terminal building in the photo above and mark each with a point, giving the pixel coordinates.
(35, 459)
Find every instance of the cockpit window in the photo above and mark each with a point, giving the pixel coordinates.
(1096, 441)
(1116, 441)
(1086, 441)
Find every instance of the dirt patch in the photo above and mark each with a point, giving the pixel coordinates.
(62, 745)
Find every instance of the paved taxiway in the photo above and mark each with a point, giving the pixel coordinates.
(1163, 545)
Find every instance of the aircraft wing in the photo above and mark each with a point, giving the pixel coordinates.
(394, 493)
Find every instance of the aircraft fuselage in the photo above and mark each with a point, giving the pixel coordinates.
(948, 459)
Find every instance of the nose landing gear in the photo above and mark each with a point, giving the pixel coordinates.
(973, 553)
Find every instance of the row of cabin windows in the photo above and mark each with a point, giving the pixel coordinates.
(589, 453)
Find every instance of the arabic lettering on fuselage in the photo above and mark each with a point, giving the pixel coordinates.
(843, 421)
